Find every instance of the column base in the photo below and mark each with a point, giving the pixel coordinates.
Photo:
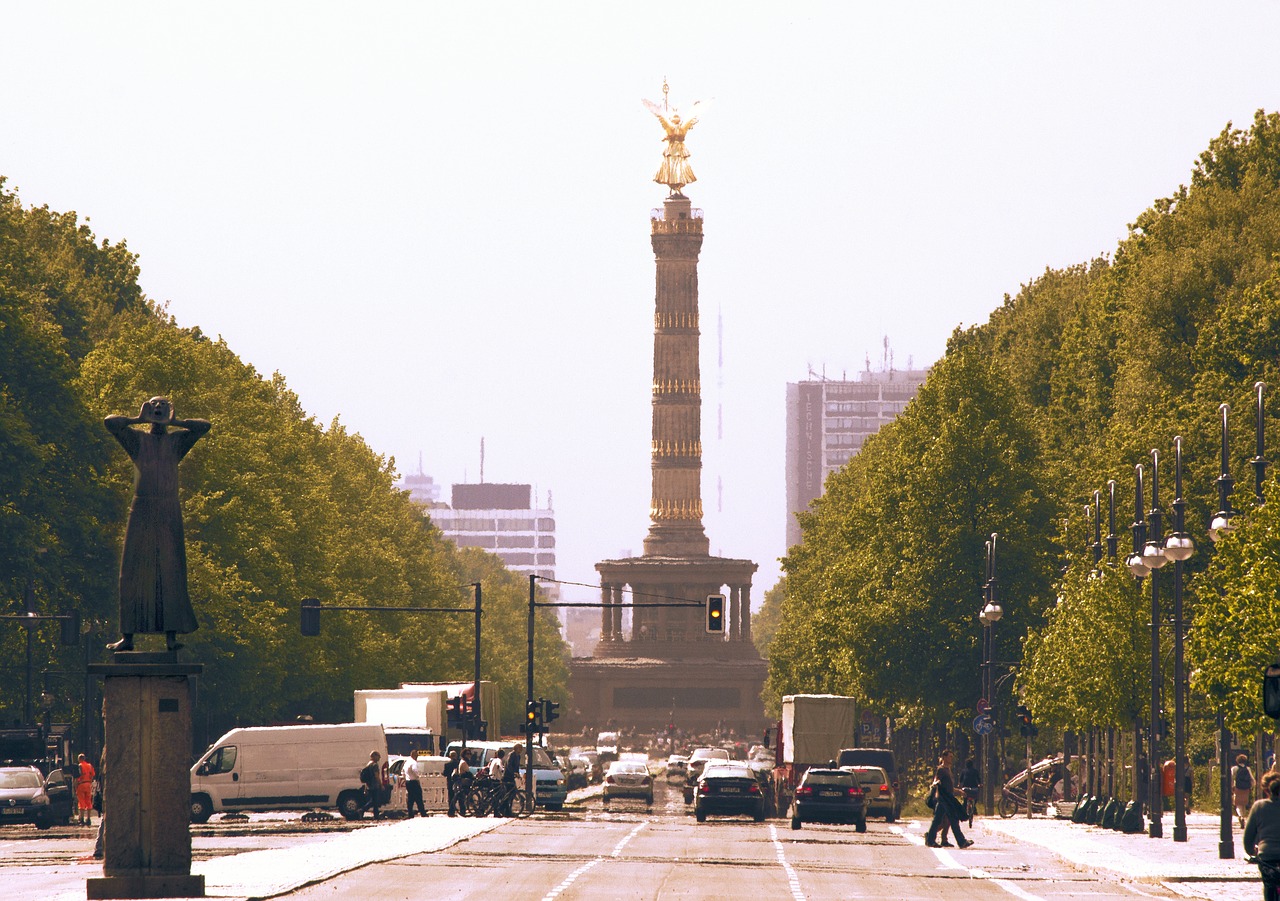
(175, 885)
(1226, 850)
(1179, 833)
(1155, 830)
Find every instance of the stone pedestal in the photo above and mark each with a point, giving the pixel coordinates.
(147, 780)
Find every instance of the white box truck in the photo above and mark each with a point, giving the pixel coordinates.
(285, 768)
(414, 718)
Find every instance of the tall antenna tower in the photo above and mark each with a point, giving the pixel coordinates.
(719, 404)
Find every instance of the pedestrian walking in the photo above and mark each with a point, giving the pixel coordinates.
(970, 783)
(371, 779)
(947, 807)
(1262, 835)
(450, 774)
(1242, 786)
(84, 790)
(413, 787)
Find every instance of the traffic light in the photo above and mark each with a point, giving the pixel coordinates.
(311, 616)
(69, 624)
(550, 712)
(1026, 725)
(1271, 691)
(532, 714)
(455, 712)
(715, 614)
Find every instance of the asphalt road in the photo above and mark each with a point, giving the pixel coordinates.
(626, 852)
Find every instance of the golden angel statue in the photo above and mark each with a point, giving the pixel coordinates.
(675, 171)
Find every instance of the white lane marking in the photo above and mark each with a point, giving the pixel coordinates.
(568, 880)
(793, 879)
(1015, 890)
(572, 877)
(949, 862)
(617, 849)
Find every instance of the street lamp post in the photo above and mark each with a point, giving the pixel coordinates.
(1219, 526)
(1180, 547)
(1154, 558)
(1259, 462)
(990, 615)
(1138, 566)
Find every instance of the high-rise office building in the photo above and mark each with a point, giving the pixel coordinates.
(503, 520)
(827, 423)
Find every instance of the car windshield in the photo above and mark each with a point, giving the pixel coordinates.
(20, 779)
(828, 779)
(627, 767)
(871, 775)
(729, 772)
(709, 753)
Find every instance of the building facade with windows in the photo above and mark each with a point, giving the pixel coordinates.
(827, 423)
(503, 520)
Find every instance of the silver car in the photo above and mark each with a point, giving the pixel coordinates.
(628, 779)
(877, 790)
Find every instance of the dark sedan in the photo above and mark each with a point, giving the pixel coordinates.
(829, 796)
(27, 797)
(728, 790)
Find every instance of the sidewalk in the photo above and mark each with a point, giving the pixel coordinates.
(1191, 868)
(275, 871)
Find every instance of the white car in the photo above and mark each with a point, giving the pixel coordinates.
(628, 779)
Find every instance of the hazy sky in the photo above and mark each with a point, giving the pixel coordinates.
(433, 218)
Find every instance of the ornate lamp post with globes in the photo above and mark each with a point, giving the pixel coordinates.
(1219, 526)
(1140, 568)
(990, 615)
(1179, 547)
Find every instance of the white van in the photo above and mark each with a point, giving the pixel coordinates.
(285, 768)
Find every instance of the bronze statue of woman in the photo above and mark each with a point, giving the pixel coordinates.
(153, 569)
(675, 171)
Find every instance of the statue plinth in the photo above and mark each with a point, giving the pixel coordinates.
(147, 700)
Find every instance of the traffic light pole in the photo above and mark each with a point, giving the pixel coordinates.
(311, 626)
(534, 604)
(528, 726)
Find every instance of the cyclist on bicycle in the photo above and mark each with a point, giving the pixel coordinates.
(970, 783)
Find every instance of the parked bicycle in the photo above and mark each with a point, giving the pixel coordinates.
(1013, 801)
(492, 796)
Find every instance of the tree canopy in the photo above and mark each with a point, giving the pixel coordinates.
(276, 506)
(1070, 383)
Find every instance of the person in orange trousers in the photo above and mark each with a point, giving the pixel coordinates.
(84, 791)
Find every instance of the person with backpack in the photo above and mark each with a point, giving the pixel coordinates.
(371, 781)
(1242, 787)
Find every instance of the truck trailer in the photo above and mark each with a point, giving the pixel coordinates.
(813, 730)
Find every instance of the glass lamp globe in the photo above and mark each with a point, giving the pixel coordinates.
(1137, 565)
(1179, 546)
(1221, 525)
(1153, 555)
(993, 612)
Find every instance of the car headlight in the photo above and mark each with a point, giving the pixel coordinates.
(40, 799)
(559, 782)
